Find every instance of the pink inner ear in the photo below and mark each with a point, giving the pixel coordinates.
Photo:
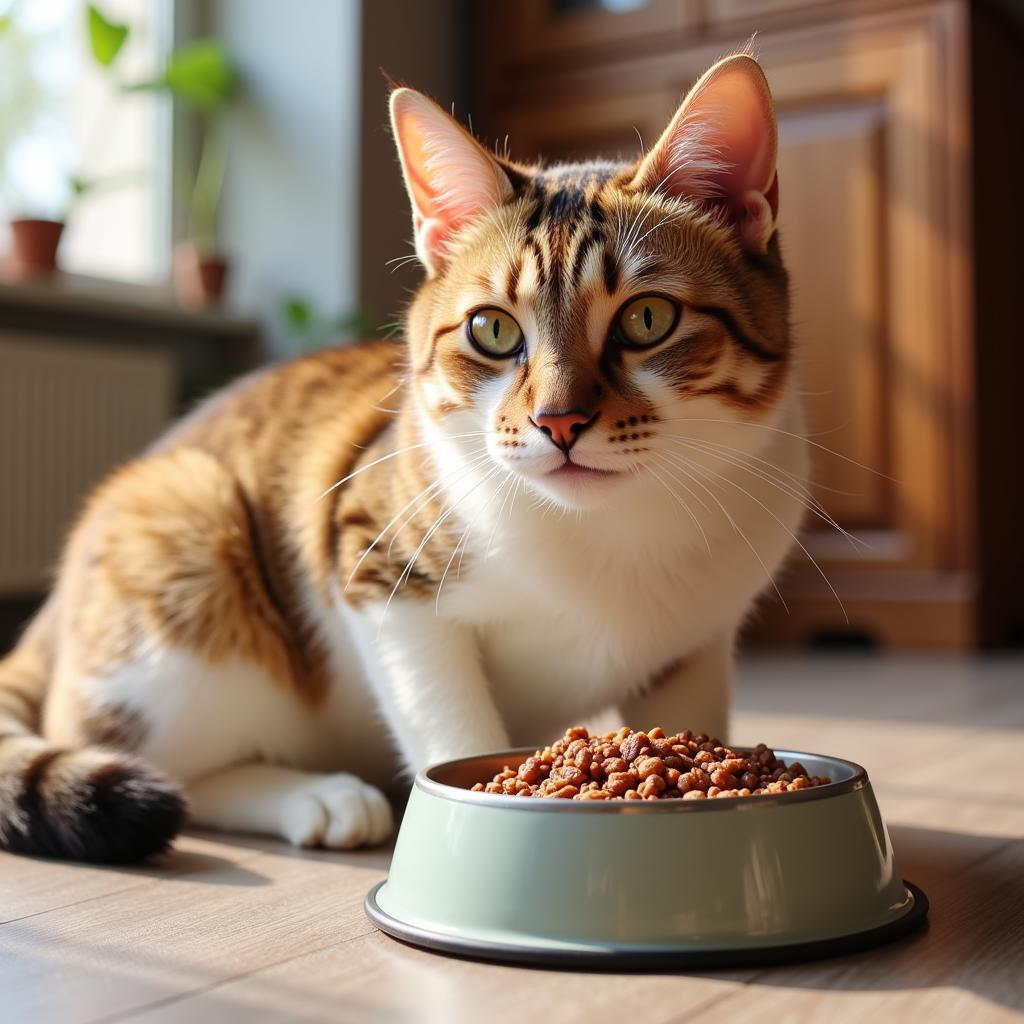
(451, 179)
(722, 145)
(737, 111)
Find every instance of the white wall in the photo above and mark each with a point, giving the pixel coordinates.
(290, 203)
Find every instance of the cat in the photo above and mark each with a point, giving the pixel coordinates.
(563, 492)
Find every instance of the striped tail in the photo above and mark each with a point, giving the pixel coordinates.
(90, 804)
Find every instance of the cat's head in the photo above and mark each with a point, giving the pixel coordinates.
(575, 316)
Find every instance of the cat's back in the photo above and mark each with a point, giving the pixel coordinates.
(332, 397)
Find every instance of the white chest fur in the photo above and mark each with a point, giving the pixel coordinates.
(558, 615)
(574, 613)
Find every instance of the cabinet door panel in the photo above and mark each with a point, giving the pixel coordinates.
(579, 129)
(863, 215)
(832, 221)
(542, 29)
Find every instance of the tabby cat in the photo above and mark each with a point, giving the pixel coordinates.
(560, 494)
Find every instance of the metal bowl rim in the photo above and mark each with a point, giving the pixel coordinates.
(856, 779)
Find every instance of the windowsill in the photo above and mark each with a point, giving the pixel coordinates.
(77, 294)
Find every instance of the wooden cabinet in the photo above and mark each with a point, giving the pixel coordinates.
(883, 218)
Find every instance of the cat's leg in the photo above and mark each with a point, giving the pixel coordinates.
(427, 676)
(694, 693)
(306, 808)
(175, 650)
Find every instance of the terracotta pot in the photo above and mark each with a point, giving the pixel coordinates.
(200, 276)
(34, 245)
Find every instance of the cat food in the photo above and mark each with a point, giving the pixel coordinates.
(628, 765)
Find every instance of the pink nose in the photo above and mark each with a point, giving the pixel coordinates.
(564, 428)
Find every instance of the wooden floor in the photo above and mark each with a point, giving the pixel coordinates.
(241, 929)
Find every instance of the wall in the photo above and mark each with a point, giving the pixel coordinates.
(313, 201)
(291, 191)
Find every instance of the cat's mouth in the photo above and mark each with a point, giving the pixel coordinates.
(579, 471)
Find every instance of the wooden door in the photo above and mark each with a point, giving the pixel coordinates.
(870, 158)
(874, 215)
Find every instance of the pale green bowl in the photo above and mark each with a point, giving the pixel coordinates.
(644, 883)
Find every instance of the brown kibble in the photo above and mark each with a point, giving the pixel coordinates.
(633, 744)
(646, 766)
(568, 773)
(627, 765)
(653, 785)
(565, 793)
(621, 782)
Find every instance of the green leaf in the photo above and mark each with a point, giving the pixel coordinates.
(201, 75)
(106, 37)
(298, 314)
(360, 322)
(6, 21)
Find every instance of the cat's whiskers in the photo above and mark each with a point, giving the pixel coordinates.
(455, 476)
(510, 494)
(437, 483)
(464, 538)
(797, 492)
(787, 433)
(681, 463)
(395, 454)
(792, 487)
(704, 470)
(630, 242)
(686, 508)
(401, 261)
(438, 522)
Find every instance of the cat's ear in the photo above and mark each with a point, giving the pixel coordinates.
(720, 148)
(451, 179)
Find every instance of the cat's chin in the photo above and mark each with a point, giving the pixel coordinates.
(576, 487)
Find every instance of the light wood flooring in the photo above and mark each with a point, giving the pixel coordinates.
(239, 929)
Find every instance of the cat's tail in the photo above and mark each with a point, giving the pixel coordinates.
(88, 804)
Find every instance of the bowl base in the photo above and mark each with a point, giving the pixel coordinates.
(660, 958)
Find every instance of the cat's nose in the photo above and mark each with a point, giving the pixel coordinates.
(563, 428)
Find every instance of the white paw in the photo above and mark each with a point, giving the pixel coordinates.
(339, 812)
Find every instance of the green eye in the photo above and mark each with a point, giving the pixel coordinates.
(495, 333)
(646, 321)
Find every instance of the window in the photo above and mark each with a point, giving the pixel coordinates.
(71, 120)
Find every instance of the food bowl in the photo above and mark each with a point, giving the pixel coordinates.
(644, 883)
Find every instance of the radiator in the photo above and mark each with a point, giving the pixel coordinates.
(69, 412)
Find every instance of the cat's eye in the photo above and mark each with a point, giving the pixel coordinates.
(646, 321)
(495, 333)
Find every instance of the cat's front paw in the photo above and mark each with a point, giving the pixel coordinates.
(339, 812)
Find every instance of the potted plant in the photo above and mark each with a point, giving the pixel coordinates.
(306, 327)
(35, 239)
(201, 77)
